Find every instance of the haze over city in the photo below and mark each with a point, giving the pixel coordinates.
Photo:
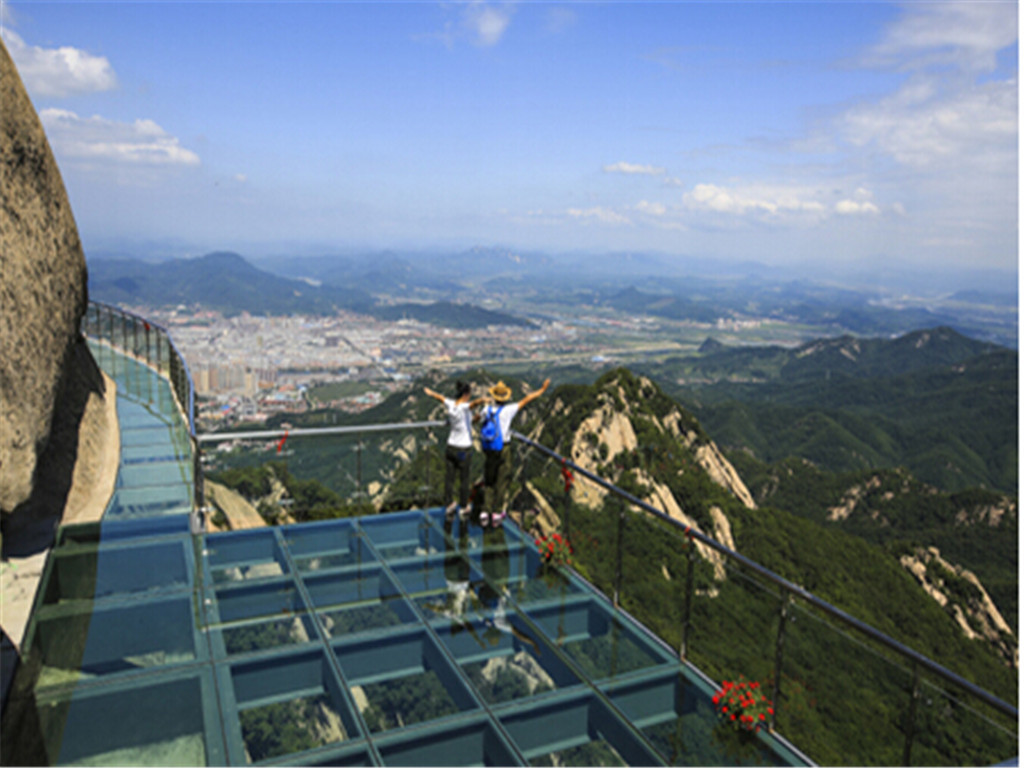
(830, 137)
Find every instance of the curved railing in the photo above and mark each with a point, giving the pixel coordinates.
(151, 344)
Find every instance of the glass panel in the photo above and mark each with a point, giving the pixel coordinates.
(262, 599)
(954, 729)
(245, 555)
(817, 695)
(477, 743)
(103, 572)
(505, 659)
(399, 680)
(157, 720)
(580, 730)
(289, 704)
(601, 644)
(676, 714)
(260, 636)
(75, 645)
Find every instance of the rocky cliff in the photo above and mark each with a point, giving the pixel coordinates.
(625, 429)
(49, 384)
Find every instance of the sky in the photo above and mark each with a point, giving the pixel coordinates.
(807, 134)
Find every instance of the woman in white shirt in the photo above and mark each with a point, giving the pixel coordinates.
(459, 450)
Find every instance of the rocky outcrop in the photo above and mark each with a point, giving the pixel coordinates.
(724, 473)
(961, 593)
(42, 294)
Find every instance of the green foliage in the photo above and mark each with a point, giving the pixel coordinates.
(406, 701)
(940, 404)
(282, 728)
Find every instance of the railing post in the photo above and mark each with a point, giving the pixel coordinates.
(359, 469)
(618, 553)
(915, 696)
(691, 559)
(568, 510)
(779, 642)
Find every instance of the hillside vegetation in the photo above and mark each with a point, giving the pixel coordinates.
(935, 402)
(936, 570)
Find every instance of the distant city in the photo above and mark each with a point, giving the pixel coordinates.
(247, 368)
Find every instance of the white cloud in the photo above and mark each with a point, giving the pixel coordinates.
(59, 72)
(486, 23)
(966, 35)
(142, 143)
(945, 114)
(604, 215)
(633, 168)
(923, 123)
(853, 207)
(709, 197)
(651, 209)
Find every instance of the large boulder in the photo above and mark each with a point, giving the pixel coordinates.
(42, 289)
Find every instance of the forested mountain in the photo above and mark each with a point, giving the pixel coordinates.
(934, 401)
(221, 281)
(228, 283)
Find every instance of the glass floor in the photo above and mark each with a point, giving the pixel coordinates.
(400, 639)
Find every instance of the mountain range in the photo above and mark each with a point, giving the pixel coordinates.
(941, 404)
(523, 283)
(230, 284)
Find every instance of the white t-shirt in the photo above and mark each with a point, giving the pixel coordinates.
(505, 415)
(460, 420)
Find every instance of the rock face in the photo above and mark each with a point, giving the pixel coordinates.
(43, 291)
(961, 593)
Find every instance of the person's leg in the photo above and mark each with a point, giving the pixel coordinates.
(464, 463)
(501, 483)
(450, 465)
(492, 462)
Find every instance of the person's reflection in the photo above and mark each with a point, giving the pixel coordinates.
(454, 602)
(493, 589)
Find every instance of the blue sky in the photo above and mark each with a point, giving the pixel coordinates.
(812, 134)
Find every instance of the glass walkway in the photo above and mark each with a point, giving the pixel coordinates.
(398, 639)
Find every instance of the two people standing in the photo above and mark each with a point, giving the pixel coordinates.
(496, 428)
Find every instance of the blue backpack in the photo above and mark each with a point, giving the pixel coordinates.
(490, 430)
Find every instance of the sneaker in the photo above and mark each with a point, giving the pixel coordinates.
(485, 519)
(497, 518)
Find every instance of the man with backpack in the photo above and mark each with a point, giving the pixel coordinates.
(495, 432)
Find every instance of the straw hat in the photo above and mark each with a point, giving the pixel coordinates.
(500, 392)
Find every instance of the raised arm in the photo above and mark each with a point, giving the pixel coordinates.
(431, 393)
(536, 393)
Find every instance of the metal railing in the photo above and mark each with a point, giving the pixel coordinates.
(779, 632)
(793, 601)
(793, 621)
(150, 344)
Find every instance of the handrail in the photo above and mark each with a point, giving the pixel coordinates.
(789, 586)
(217, 437)
(179, 377)
(188, 407)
